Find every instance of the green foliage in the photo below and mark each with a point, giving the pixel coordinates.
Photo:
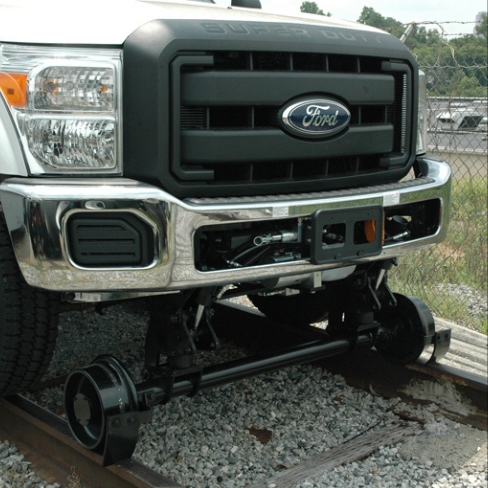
(455, 70)
(468, 86)
(369, 16)
(436, 55)
(423, 38)
(311, 8)
(482, 29)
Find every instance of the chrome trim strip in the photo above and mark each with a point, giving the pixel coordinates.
(37, 211)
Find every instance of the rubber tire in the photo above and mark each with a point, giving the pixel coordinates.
(28, 324)
(294, 310)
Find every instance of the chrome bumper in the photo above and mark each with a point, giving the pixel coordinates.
(37, 211)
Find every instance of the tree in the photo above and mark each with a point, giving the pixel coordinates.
(369, 16)
(469, 87)
(421, 37)
(311, 8)
(482, 28)
(454, 67)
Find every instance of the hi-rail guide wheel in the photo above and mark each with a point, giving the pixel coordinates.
(407, 330)
(103, 410)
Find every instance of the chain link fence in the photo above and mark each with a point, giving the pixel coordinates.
(452, 277)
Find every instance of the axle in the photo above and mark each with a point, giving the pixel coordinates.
(105, 408)
(156, 391)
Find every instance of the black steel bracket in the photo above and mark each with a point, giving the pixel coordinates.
(122, 434)
(441, 341)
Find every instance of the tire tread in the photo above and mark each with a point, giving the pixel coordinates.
(28, 324)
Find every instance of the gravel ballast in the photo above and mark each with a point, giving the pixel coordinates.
(244, 433)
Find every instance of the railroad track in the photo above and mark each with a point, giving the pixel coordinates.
(446, 383)
(46, 442)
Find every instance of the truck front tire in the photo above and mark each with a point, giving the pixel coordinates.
(295, 310)
(28, 324)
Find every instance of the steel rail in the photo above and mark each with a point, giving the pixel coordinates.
(46, 442)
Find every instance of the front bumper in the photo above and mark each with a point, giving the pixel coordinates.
(38, 212)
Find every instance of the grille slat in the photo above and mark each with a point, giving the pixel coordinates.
(222, 88)
(205, 147)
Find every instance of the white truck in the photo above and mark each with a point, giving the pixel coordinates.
(188, 152)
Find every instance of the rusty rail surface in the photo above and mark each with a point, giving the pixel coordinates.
(46, 442)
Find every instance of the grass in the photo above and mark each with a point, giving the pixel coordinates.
(461, 260)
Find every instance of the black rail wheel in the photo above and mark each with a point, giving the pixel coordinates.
(296, 310)
(28, 324)
(404, 330)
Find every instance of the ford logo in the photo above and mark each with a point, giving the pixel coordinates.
(315, 118)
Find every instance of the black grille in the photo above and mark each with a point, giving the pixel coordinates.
(226, 129)
(203, 103)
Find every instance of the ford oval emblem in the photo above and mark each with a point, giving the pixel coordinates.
(315, 118)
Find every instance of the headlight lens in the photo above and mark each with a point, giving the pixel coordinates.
(66, 143)
(66, 104)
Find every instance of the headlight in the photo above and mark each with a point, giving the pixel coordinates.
(67, 143)
(66, 104)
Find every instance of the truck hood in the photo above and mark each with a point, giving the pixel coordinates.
(110, 22)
